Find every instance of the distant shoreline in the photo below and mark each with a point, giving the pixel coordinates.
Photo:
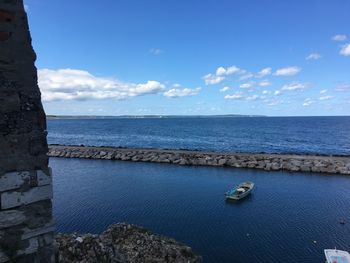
(263, 161)
(88, 117)
(150, 116)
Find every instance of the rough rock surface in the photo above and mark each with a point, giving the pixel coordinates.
(267, 162)
(122, 243)
(26, 225)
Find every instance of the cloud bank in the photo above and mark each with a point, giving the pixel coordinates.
(73, 84)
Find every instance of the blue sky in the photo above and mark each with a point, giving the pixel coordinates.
(192, 57)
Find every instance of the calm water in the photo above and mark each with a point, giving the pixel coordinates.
(317, 135)
(278, 223)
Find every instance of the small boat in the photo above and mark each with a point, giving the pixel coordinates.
(240, 191)
(337, 256)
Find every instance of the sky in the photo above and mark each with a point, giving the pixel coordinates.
(192, 57)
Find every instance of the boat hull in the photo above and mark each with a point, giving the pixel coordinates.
(238, 196)
(334, 255)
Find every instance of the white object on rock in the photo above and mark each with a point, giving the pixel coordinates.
(79, 239)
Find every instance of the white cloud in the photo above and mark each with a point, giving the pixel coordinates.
(295, 86)
(264, 72)
(176, 93)
(264, 83)
(236, 96)
(220, 75)
(252, 98)
(343, 88)
(313, 56)
(246, 76)
(308, 102)
(247, 85)
(277, 92)
(326, 97)
(156, 51)
(211, 79)
(323, 91)
(345, 50)
(339, 37)
(220, 71)
(72, 84)
(288, 71)
(232, 70)
(266, 92)
(224, 89)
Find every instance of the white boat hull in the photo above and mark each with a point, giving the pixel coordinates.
(338, 256)
(236, 195)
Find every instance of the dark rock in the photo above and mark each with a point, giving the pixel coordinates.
(122, 243)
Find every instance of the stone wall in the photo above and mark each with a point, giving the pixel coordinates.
(268, 162)
(26, 226)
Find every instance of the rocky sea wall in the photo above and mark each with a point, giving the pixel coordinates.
(268, 162)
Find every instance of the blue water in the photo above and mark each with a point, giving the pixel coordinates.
(306, 135)
(279, 222)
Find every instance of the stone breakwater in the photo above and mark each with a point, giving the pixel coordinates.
(268, 162)
(123, 243)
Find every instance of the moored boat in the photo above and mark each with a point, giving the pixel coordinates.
(336, 256)
(240, 191)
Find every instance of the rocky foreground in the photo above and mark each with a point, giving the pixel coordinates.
(122, 243)
(275, 162)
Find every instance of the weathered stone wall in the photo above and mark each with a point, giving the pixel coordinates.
(267, 162)
(26, 226)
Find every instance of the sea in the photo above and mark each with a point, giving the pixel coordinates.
(289, 217)
(300, 135)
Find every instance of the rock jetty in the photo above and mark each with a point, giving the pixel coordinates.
(123, 243)
(268, 162)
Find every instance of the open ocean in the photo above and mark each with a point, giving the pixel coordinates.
(302, 135)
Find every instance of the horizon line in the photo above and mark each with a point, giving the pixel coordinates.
(192, 115)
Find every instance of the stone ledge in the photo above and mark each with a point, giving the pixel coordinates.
(29, 233)
(15, 180)
(35, 194)
(11, 218)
